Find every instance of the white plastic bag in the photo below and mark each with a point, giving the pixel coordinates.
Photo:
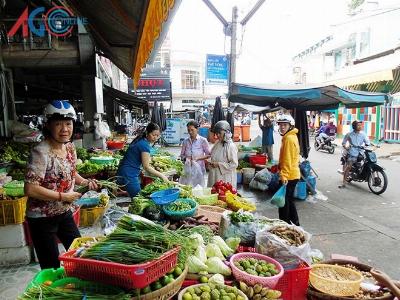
(102, 130)
(273, 246)
(193, 174)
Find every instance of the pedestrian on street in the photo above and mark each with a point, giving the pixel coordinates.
(289, 171)
(224, 160)
(49, 184)
(138, 155)
(351, 142)
(267, 128)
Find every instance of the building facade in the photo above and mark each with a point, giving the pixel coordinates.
(361, 53)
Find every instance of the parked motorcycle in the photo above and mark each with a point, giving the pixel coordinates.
(327, 144)
(367, 169)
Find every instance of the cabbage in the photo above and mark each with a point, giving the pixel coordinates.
(196, 265)
(196, 240)
(201, 253)
(216, 265)
(226, 251)
(233, 242)
(216, 279)
(212, 250)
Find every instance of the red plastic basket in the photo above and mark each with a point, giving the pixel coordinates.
(28, 238)
(258, 159)
(126, 276)
(115, 145)
(252, 279)
(146, 180)
(294, 283)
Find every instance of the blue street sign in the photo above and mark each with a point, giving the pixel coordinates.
(217, 67)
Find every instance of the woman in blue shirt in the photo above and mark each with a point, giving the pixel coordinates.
(138, 155)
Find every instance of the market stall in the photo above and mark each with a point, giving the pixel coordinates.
(182, 241)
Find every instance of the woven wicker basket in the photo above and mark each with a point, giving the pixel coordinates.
(212, 213)
(167, 292)
(313, 294)
(347, 283)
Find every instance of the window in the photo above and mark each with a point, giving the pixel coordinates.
(338, 60)
(364, 43)
(191, 101)
(190, 79)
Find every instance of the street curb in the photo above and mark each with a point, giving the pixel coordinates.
(389, 155)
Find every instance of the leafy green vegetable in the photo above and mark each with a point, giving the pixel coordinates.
(216, 265)
(233, 242)
(195, 265)
(212, 250)
(241, 217)
(201, 253)
(139, 204)
(156, 185)
(226, 251)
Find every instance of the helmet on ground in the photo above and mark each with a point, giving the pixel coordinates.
(355, 123)
(59, 110)
(285, 119)
(221, 125)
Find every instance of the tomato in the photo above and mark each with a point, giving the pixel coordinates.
(221, 193)
(229, 186)
(223, 189)
(213, 190)
(234, 191)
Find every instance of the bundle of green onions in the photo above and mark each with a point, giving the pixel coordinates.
(136, 241)
(48, 292)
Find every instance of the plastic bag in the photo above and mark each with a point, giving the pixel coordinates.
(102, 130)
(278, 199)
(257, 185)
(264, 176)
(193, 175)
(246, 231)
(273, 246)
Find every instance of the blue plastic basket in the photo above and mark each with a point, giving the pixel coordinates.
(165, 196)
(179, 215)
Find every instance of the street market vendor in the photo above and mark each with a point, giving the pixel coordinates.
(138, 155)
(224, 160)
(49, 183)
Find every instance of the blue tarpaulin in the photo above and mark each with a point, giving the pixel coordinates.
(303, 98)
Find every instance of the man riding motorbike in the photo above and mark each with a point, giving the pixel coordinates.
(324, 133)
(356, 138)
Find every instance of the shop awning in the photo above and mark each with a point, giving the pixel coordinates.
(303, 98)
(377, 76)
(125, 99)
(127, 31)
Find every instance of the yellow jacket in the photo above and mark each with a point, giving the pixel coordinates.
(289, 156)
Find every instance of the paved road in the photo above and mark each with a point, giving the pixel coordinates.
(353, 221)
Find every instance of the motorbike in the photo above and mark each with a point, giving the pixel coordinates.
(367, 169)
(327, 144)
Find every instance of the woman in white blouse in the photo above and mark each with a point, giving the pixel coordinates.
(224, 160)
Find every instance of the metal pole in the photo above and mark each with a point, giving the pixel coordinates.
(232, 61)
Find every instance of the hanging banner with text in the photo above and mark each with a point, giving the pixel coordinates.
(217, 67)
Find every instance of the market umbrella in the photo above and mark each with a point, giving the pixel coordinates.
(300, 118)
(304, 98)
(163, 119)
(155, 115)
(218, 113)
(230, 120)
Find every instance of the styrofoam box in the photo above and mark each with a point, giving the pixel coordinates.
(15, 256)
(12, 236)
